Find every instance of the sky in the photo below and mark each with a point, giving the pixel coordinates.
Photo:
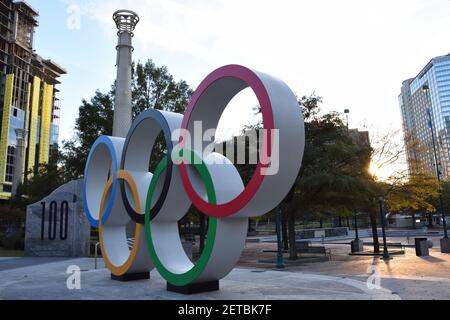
(353, 53)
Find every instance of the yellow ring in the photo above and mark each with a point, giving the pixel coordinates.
(123, 269)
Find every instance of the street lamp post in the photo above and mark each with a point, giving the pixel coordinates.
(445, 242)
(280, 263)
(356, 245)
(347, 112)
(383, 229)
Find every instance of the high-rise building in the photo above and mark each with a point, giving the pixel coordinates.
(27, 94)
(425, 108)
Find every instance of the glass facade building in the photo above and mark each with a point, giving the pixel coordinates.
(417, 107)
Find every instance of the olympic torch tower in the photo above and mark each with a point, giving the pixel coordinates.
(126, 22)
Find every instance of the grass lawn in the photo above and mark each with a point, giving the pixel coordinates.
(10, 253)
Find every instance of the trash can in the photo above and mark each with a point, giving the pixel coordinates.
(422, 247)
(357, 246)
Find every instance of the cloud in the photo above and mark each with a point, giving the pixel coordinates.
(354, 53)
(233, 28)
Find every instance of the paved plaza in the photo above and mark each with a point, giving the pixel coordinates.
(343, 278)
(47, 280)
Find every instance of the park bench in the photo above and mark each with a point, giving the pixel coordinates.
(397, 245)
(303, 244)
(298, 245)
(306, 247)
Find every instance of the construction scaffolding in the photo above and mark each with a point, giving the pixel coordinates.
(27, 94)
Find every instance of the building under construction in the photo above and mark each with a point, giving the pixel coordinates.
(29, 109)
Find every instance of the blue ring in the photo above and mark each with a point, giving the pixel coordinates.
(106, 141)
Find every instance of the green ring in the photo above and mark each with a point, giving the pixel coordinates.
(198, 268)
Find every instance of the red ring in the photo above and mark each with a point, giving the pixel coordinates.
(252, 79)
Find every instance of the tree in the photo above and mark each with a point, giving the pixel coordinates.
(152, 87)
(409, 188)
(415, 194)
(334, 179)
(95, 119)
(39, 186)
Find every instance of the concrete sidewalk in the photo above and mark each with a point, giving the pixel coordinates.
(26, 279)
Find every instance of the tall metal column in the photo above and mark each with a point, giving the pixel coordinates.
(126, 22)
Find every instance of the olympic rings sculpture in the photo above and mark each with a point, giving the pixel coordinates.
(119, 190)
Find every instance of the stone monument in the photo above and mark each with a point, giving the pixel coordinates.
(57, 226)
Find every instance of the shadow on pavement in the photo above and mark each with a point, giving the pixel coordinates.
(432, 259)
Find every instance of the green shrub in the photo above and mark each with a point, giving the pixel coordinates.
(19, 244)
(13, 243)
(11, 218)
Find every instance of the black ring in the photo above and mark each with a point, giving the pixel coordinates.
(162, 122)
